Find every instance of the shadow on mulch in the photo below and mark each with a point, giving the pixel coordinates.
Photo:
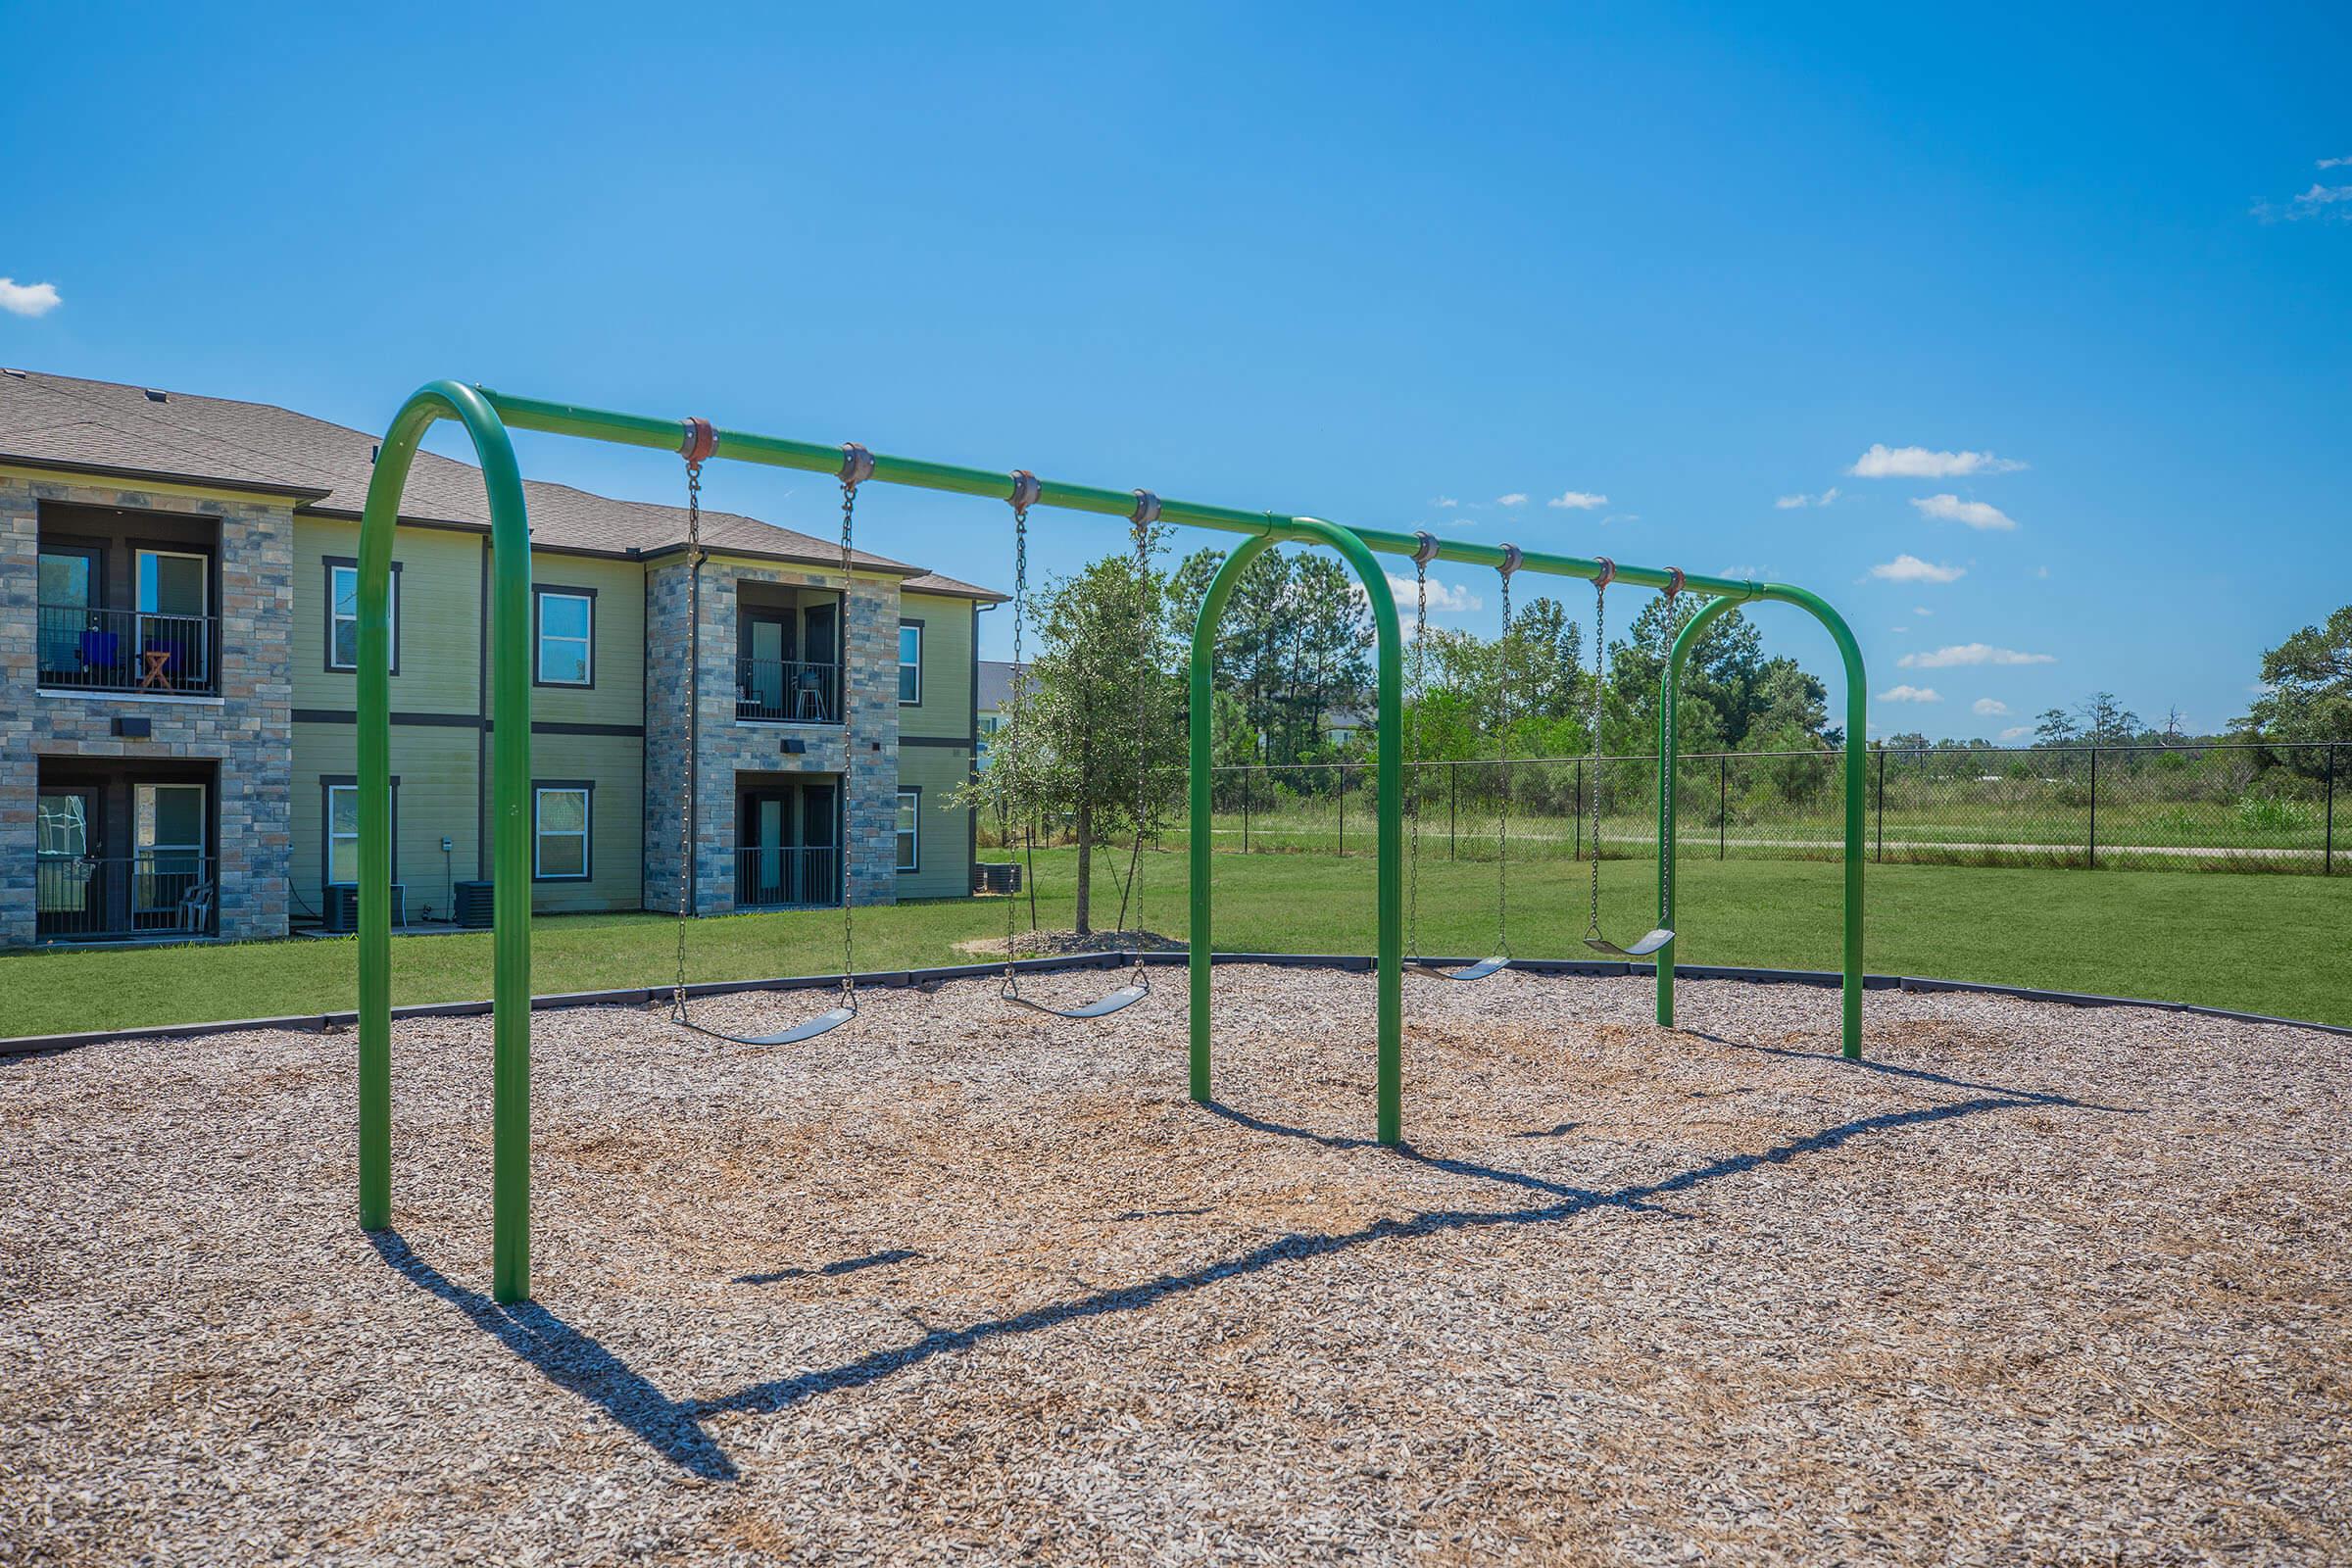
(672, 1428)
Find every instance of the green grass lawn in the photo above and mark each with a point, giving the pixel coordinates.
(2270, 943)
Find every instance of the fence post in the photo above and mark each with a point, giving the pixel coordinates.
(2095, 808)
(1342, 776)
(1580, 807)
(1881, 804)
(1723, 798)
(1454, 799)
(2327, 852)
(1246, 788)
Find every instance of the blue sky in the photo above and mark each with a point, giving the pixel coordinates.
(1353, 261)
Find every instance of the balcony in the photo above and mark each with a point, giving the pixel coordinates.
(156, 893)
(787, 691)
(140, 650)
(788, 877)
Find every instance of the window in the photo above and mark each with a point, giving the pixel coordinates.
(343, 615)
(560, 832)
(168, 823)
(174, 637)
(910, 810)
(910, 662)
(567, 621)
(342, 835)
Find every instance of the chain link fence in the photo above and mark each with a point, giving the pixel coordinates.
(2226, 806)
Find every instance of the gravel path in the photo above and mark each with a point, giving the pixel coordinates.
(2040, 1285)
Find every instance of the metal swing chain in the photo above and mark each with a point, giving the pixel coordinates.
(694, 577)
(1412, 886)
(1502, 756)
(855, 465)
(1147, 666)
(1601, 643)
(1021, 683)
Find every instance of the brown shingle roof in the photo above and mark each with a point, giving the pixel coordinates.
(108, 426)
(932, 583)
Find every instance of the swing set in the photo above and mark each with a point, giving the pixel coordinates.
(488, 418)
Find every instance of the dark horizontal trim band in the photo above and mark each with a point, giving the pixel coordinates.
(958, 743)
(347, 715)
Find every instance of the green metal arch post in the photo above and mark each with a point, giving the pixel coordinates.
(509, 633)
(1857, 723)
(1390, 1071)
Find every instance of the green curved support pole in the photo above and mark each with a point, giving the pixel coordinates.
(511, 805)
(1857, 723)
(1390, 1071)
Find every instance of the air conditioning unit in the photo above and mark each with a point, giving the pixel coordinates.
(475, 909)
(343, 907)
(996, 877)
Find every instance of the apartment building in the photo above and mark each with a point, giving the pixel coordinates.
(178, 686)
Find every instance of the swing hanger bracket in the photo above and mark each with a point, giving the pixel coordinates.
(1147, 509)
(1512, 556)
(1607, 573)
(699, 441)
(857, 465)
(1674, 583)
(1426, 550)
(1025, 490)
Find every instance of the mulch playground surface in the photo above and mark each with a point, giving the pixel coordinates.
(2036, 1285)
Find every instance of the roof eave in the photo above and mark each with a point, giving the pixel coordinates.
(193, 481)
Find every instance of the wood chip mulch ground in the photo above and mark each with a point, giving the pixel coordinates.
(955, 1284)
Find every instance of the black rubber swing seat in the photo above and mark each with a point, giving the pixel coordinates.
(1102, 1006)
(808, 1029)
(1476, 972)
(1639, 949)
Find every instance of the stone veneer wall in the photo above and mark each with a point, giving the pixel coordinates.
(249, 732)
(728, 747)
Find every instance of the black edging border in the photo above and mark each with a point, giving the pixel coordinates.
(1349, 963)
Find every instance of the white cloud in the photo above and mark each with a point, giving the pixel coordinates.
(2335, 162)
(1882, 461)
(1791, 502)
(1911, 694)
(1517, 498)
(1899, 628)
(1620, 517)
(2017, 732)
(1962, 654)
(1447, 503)
(1921, 609)
(27, 299)
(1989, 707)
(1975, 513)
(2321, 200)
(1910, 568)
(1443, 597)
(1578, 501)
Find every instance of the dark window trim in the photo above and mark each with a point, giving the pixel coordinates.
(208, 552)
(915, 833)
(921, 640)
(328, 783)
(587, 787)
(328, 564)
(92, 545)
(539, 593)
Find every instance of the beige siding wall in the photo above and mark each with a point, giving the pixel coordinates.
(617, 645)
(946, 710)
(437, 617)
(611, 763)
(436, 776)
(945, 870)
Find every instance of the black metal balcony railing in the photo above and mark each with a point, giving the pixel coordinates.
(129, 650)
(793, 878)
(789, 690)
(156, 893)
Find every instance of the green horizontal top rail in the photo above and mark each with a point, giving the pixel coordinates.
(817, 456)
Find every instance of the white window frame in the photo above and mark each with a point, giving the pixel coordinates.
(915, 664)
(541, 639)
(334, 574)
(333, 789)
(540, 834)
(150, 853)
(909, 832)
(138, 580)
